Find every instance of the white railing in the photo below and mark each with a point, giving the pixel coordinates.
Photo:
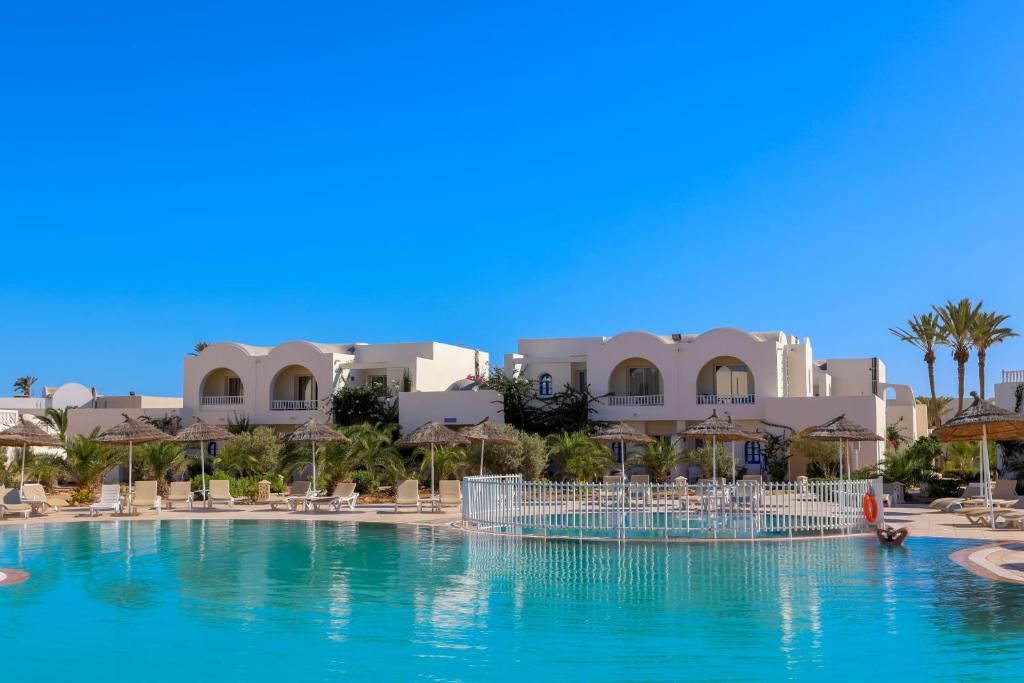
(651, 400)
(222, 400)
(294, 405)
(715, 399)
(1013, 375)
(746, 509)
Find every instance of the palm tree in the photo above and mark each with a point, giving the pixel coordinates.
(199, 347)
(449, 461)
(958, 322)
(370, 450)
(46, 469)
(87, 461)
(985, 334)
(658, 458)
(57, 420)
(24, 385)
(161, 458)
(576, 456)
(935, 407)
(925, 333)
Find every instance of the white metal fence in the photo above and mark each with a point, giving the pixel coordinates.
(745, 509)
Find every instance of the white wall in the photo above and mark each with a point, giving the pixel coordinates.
(448, 407)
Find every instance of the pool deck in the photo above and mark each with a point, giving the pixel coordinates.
(1002, 559)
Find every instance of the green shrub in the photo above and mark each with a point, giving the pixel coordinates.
(366, 482)
(943, 488)
(81, 496)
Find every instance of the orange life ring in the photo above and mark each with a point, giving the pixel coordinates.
(870, 509)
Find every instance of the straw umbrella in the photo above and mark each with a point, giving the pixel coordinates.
(979, 422)
(487, 432)
(718, 429)
(431, 434)
(312, 433)
(24, 434)
(842, 430)
(131, 432)
(621, 433)
(201, 432)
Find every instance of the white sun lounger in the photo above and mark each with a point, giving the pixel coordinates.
(110, 500)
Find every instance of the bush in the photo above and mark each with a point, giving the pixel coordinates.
(366, 482)
(941, 487)
(81, 496)
(528, 456)
(243, 486)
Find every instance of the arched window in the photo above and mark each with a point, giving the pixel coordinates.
(752, 452)
(544, 387)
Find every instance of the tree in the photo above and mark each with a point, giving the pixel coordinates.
(87, 461)
(254, 452)
(369, 449)
(199, 347)
(528, 456)
(569, 410)
(894, 437)
(46, 469)
(935, 407)
(517, 393)
(160, 458)
(701, 457)
(658, 458)
(925, 333)
(985, 334)
(915, 465)
(958, 322)
(24, 385)
(169, 424)
(577, 457)
(372, 403)
(776, 455)
(450, 462)
(822, 456)
(57, 420)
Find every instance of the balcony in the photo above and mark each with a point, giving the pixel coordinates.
(715, 399)
(294, 404)
(222, 400)
(651, 400)
(1013, 376)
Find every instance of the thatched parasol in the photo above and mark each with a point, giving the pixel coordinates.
(487, 432)
(842, 430)
(621, 433)
(200, 432)
(431, 434)
(313, 432)
(24, 434)
(719, 429)
(981, 421)
(130, 432)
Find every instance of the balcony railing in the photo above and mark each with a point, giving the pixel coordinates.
(294, 405)
(651, 400)
(1013, 375)
(715, 399)
(222, 400)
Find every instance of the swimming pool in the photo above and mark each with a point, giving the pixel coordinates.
(317, 601)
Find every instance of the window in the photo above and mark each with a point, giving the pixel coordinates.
(644, 382)
(581, 377)
(233, 386)
(305, 388)
(752, 452)
(544, 385)
(377, 380)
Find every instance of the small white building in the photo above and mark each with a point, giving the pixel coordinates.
(660, 384)
(287, 384)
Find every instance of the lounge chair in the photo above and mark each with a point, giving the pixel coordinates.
(344, 494)
(407, 494)
(450, 491)
(640, 488)
(1004, 493)
(35, 495)
(110, 500)
(10, 504)
(220, 492)
(972, 492)
(980, 514)
(181, 492)
(298, 494)
(144, 497)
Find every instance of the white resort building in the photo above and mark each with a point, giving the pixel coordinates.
(660, 384)
(289, 383)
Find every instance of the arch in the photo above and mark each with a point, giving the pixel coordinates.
(725, 380)
(221, 386)
(889, 393)
(294, 387)
(636, 381)
(545, 385)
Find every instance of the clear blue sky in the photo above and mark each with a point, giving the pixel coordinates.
(398, 172)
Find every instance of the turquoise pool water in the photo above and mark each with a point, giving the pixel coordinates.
(244, 601)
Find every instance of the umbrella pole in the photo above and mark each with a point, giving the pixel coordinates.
(431, 471)
(714, 460)
(622, 457)
(986, 475)
(313, 487)
(481, 458)
(24, 447)
(202, 467)
(129, 468)
(732, 449)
